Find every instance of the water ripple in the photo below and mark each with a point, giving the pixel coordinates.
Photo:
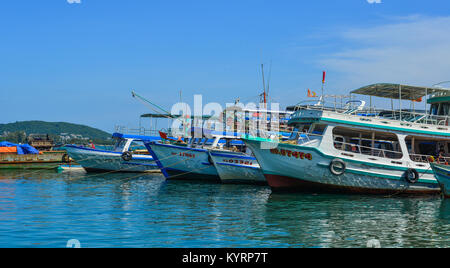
(47, 209)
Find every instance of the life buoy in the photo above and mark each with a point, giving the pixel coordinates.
(411, 175)
(65, 158)
(127, 156)
(338, 167)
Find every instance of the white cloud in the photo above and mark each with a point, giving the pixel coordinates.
(374, 1)
(413, 51)
(74, 1)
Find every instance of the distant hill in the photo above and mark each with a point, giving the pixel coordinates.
(41, 127)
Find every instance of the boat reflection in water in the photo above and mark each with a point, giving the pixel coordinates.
(345, 221)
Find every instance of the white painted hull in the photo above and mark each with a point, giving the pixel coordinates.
(184, 163)
(97, 160)
(237, 168)
(285, 169)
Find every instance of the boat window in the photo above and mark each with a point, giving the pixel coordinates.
(421, 148)
(380, 144)
(339, 142)
(318, 129)
(446, 109)
(440, 109)
(120, 144)
(138, 147)
(434, 109)
(209, 141)
(304, 128)
(294, 134)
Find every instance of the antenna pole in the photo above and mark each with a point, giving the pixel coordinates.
(268, 81)
(264, 86)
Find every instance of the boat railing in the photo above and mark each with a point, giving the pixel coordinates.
(367, 150)
(311, 139)
(357, 108)
(429, 158)
(136, 131)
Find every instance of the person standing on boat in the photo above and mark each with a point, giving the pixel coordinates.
(441, 156)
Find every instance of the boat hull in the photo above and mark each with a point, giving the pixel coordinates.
(298, 168)
(183, 163)
(237, 168)
(106, 161)
(442, 173)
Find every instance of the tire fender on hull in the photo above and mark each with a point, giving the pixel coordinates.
(337, 167)
(127, 156)
(411, 175)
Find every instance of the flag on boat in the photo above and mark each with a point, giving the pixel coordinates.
(311, 95)
(324, 75)
(163, 135)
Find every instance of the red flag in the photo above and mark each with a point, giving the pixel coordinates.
(163, 135)
(324, 75)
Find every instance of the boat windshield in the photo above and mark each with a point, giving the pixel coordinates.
(120, 145)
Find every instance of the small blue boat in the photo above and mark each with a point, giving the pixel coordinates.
(120, 159)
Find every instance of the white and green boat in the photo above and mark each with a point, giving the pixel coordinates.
(359, 149)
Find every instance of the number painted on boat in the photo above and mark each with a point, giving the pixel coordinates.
(184, 155)
(289, 153)
(235, 161)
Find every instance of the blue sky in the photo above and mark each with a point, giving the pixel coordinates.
(78, 62)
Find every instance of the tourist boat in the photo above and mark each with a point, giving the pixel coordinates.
(442, 173)
(24, 156)
(222, 158)
(184, 160)
(120, 159)
(355, 149)
(235, 163)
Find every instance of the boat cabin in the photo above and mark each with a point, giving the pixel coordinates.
(135, 143)
(440, 104)
(419, 136)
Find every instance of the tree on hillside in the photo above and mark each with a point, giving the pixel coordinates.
(15, 137)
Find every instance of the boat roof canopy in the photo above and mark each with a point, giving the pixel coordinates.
(392, 91)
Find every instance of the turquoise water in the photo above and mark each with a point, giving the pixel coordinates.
(46, 209)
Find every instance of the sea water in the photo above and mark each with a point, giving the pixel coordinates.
(49, 209)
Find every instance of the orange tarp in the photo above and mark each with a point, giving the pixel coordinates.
(8, 149)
